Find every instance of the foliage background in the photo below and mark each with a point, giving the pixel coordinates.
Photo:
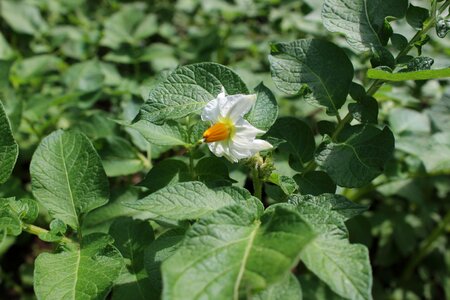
(83, 64)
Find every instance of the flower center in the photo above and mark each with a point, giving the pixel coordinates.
(222, 130)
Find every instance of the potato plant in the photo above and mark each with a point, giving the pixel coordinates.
(224, 149)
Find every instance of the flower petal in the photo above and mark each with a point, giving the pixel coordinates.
(235, 107)
(260, 145)
(245, 129)
(211, 111)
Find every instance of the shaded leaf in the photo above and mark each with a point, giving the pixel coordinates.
(361, 21)
(306, 67)
(358, 156)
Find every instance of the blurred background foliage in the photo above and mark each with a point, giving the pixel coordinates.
(84, 64)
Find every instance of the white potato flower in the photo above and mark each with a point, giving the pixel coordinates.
(230, 135)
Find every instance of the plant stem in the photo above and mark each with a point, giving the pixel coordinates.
(191, 164)
(257, 183)
(36, 230)
(427, 25)
(426, 247)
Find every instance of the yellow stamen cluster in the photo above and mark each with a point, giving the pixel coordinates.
(222, 130)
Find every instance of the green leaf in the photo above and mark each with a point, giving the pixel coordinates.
(67, 176)
(119, 157)
(365, 111)
(9, 150)
(22, 17)
(100, 219)
(84, 77)
(35, 67)
(362, 21)
(170, 133)
(299, 139)
(344, 267)
(57, 230)
(131, 237)
(158, 251)
(415, 16)
(84, 273)
(402, 76)
(224, 251)
(314, 183)
(10, 223)
(188, 89)
(306, 67)
(286, 183)
(265, 110)
(213, 170)
(404, 120)
(288, 288)
(184, 200)
(166, 173)
(358, 156)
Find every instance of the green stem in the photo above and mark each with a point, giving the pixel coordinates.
(347, 119)
(257, 183)
(191, 164)
(36, 230)
(426, 247)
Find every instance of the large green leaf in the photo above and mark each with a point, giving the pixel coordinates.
(188, 89)
(265, 110)
(131, 237)
(237, 248)
(67, 176)
(299, 140)
(344, 267)
(362, 21)
(84, 77)
(170, 133)
(358, 155)
(22, 17)
(318, 70)
(287, 289)
(189, 200)
(84, 273)
(9, 150)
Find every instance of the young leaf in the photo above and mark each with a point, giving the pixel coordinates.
(288, 288)
(9, 150)
(306, 67)
(184, 201)
(358, 156)
(67, 176)
(344, 267)
(299, 139)
(170, 133)
(265, 111)
(187, 90)
(131, 237)
(10, 223)
(222, 253)
(362, 21)
(84, 273)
